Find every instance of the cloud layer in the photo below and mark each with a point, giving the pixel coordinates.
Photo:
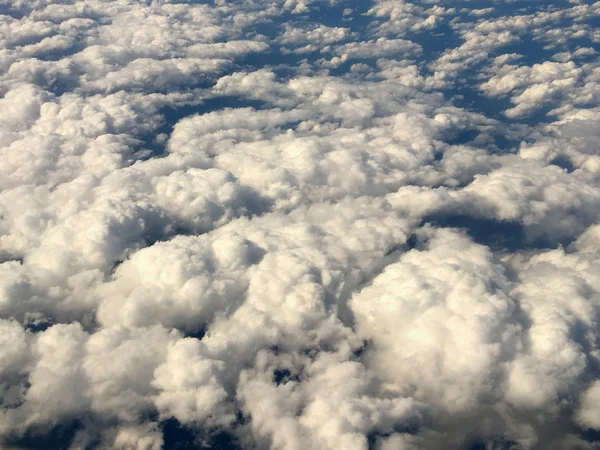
(299, 224)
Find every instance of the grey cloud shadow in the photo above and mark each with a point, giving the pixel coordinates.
(495, 444)
(355, 284)
(58, 437)
(172, 114)
(56, 55)
(497, 235)
(589, 435)
(175, 436)
(8, 10)
(500, 139)
(180, 437)
(564, 163)
(410, 427)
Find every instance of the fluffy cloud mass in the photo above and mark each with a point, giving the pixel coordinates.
(299, 224)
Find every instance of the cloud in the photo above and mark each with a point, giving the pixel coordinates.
(445, 317)
(588, 413)
(299, 224)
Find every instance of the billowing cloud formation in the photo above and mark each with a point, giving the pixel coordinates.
(299, 224)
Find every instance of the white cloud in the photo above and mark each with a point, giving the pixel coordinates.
(443, 315)
(588, 412)
(216, 215)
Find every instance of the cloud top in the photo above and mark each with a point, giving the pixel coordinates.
(299, 224)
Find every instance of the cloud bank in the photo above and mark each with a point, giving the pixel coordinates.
(299, 224)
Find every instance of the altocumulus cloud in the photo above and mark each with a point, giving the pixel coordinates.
(299, 224)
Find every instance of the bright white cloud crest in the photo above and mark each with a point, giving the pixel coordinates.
(300, 224)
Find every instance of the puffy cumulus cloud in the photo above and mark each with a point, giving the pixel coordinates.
(556, 209)
(488, 36)
(57, 385)
(564, 86)
(299, 224)
(400, 17)
(442, 323)
(143, 437)
(63, 381)
(15, 356)
(190, 386)
(162, 74)
(513, 352)
(330, 405)
(571, 143)
(534, 83)
(550, 372)
(378, 48)
(313, 39)
(172, 282)
(588, 413)
(257, 264)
